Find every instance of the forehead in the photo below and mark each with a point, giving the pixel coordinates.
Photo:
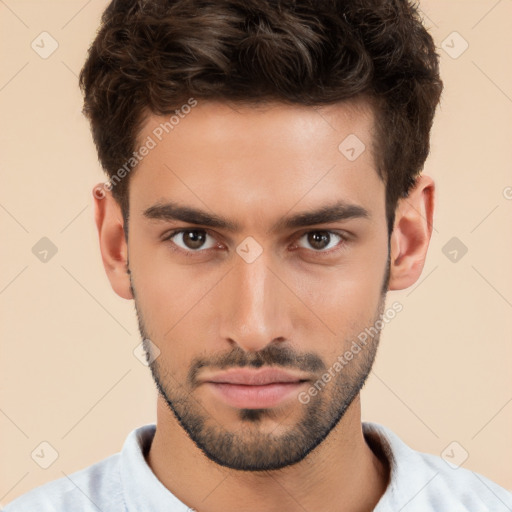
(216, 120)
(258, 159)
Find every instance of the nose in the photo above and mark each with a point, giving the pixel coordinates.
(254, 305)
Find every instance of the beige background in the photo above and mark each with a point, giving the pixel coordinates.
(68, 374)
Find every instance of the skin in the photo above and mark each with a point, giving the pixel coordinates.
(230, 161)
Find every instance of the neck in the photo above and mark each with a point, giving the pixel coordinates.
(342, 473)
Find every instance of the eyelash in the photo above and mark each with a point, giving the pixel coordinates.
(191, 253)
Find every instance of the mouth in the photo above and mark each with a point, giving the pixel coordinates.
(255, 389)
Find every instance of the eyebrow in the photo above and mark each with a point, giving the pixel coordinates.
(338, 211)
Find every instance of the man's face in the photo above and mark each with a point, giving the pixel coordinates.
(216, 300)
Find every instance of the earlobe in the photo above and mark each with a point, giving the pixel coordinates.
(113, 246)
(411, 234)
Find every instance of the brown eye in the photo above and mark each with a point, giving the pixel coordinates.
(322, 241)
(319, 239)
(190, 239)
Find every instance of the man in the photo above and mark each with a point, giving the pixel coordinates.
(264, 194)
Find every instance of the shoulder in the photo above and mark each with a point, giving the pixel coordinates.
(89, 489)
(426, 482)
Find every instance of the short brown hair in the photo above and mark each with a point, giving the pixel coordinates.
(152, 56)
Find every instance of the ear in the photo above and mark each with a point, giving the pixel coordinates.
(113, 246)
(411, 234)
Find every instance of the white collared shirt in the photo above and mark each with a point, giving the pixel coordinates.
(124, 482)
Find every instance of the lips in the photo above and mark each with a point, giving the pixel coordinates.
(254, 389)
(259, 377)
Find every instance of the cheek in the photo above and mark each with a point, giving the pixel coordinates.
(164, 288)
(345, 298)
(339, 292)
(172, 301)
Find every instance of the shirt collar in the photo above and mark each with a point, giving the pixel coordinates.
(142, 489)
(407, 469)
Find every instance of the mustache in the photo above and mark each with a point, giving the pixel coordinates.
(272, 355)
